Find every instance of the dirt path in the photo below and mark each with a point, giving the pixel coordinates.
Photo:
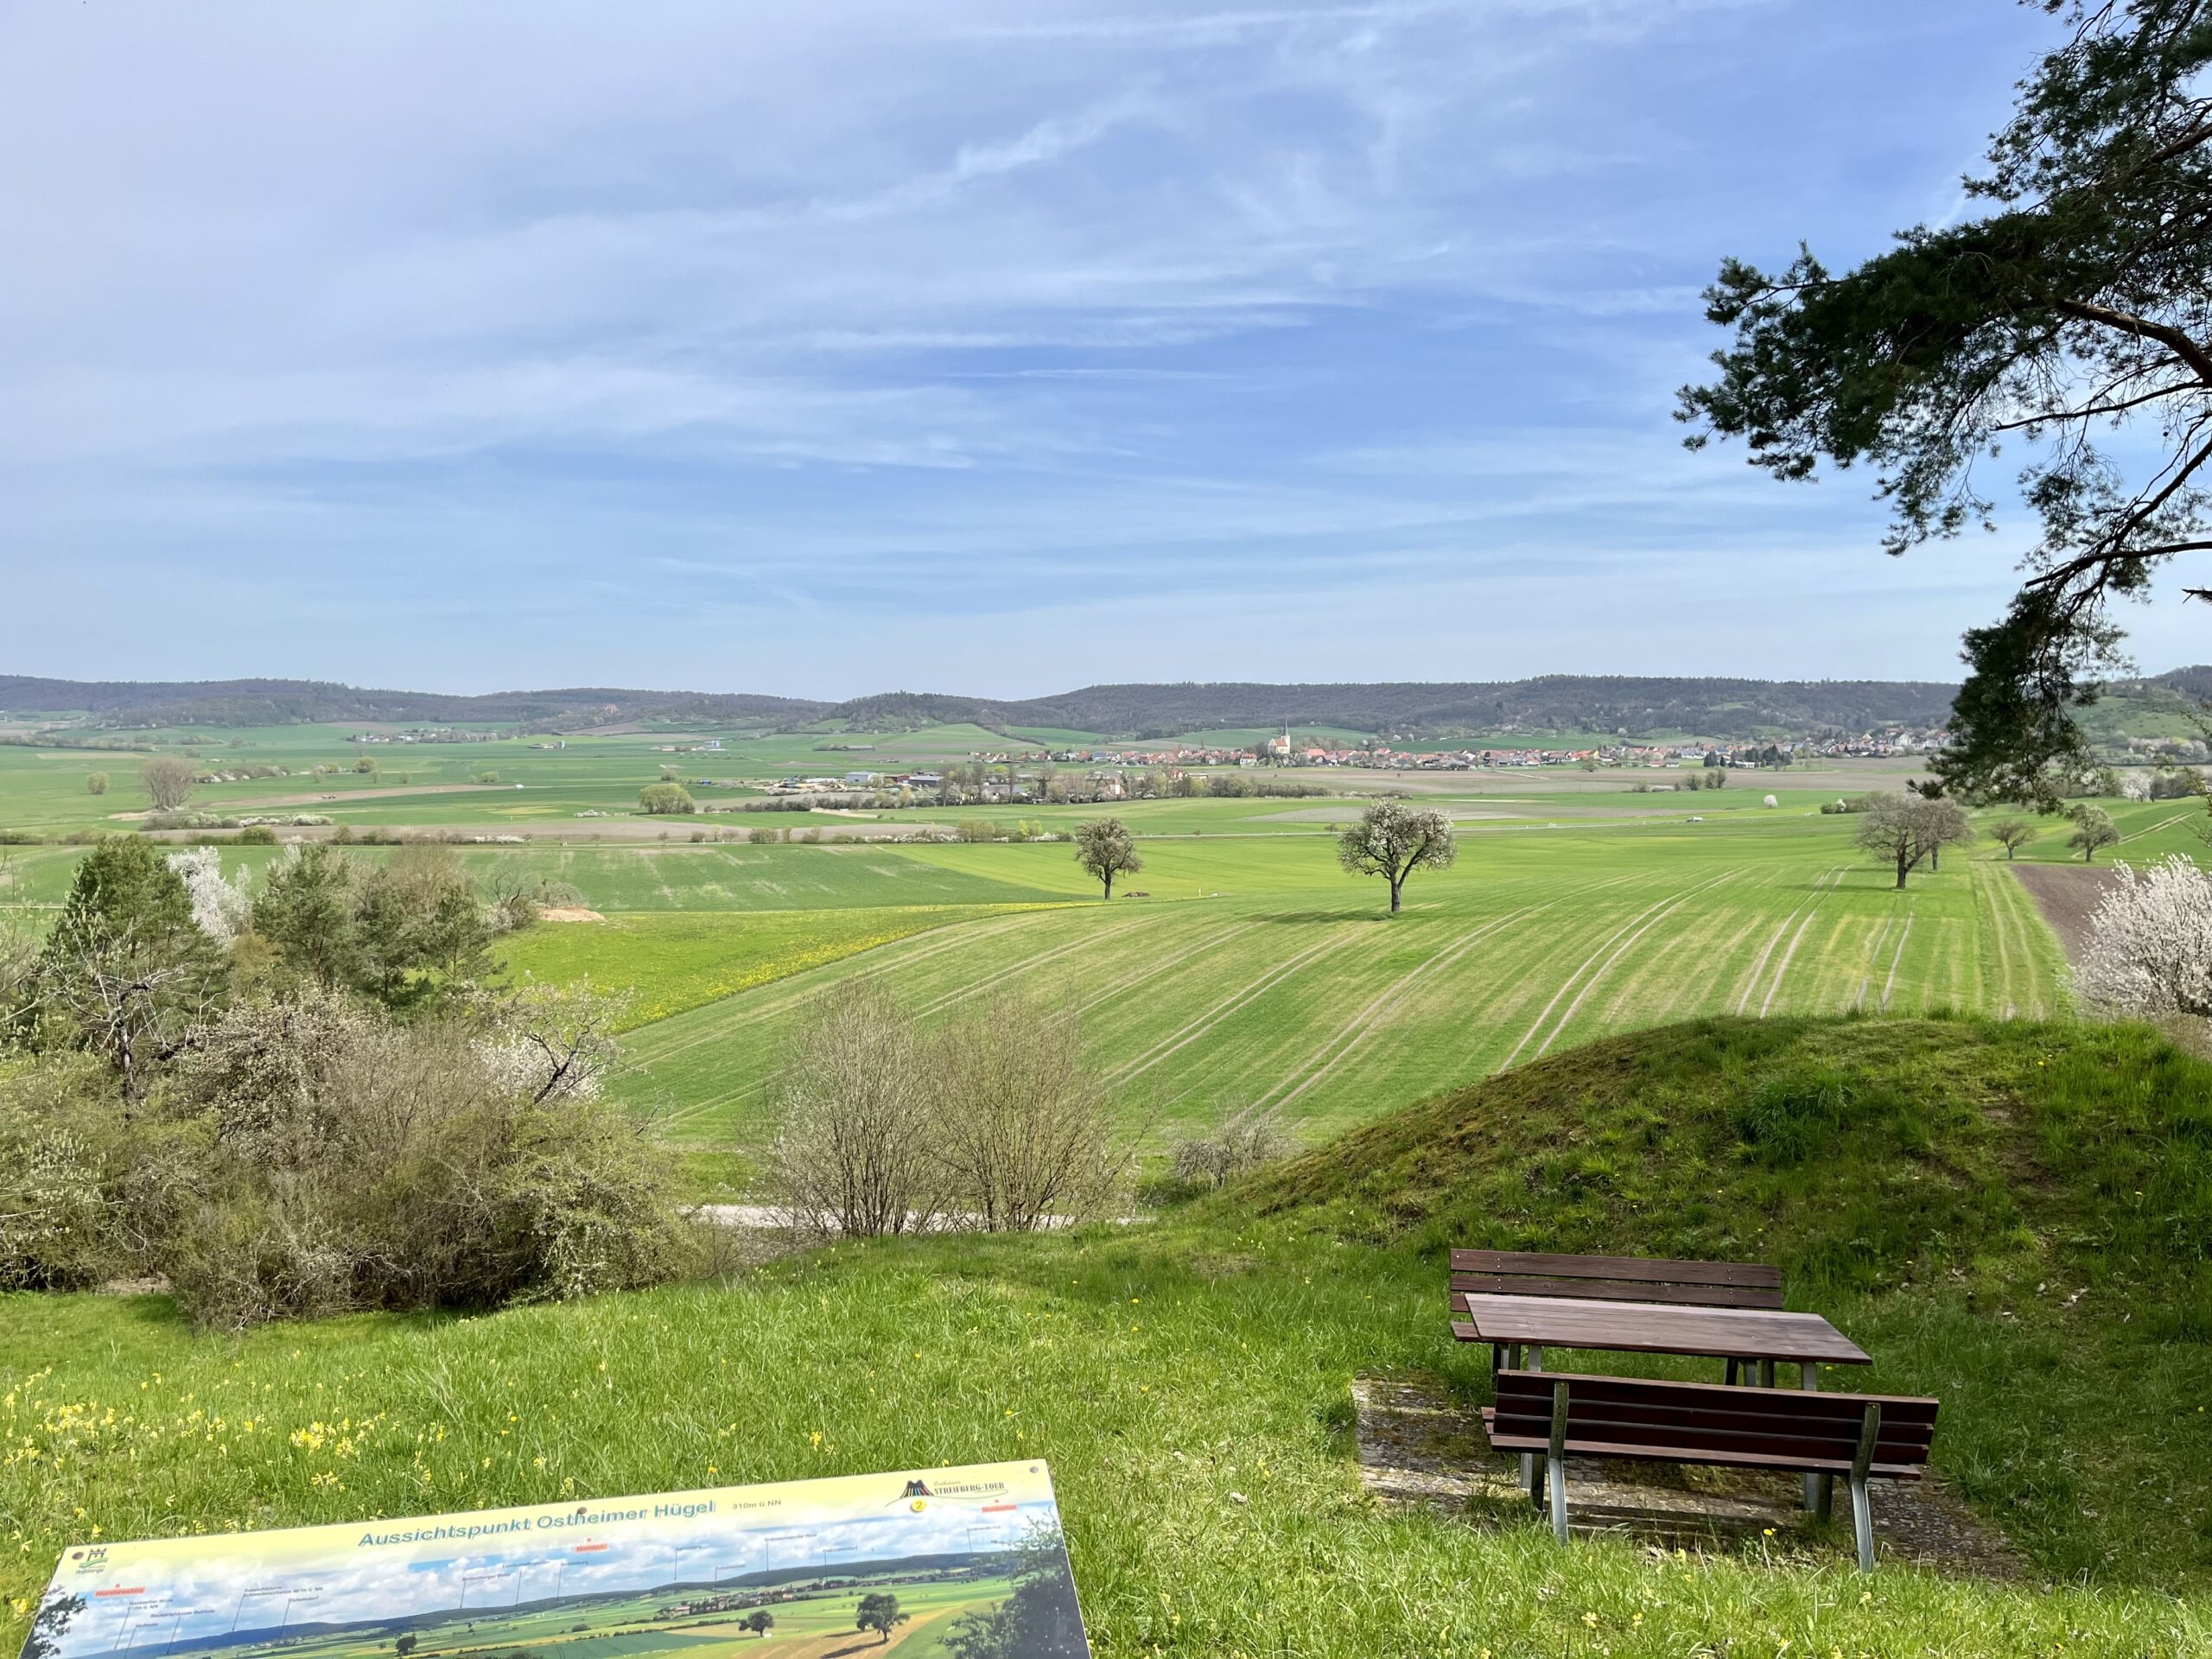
(2066, 893)
(339, 796)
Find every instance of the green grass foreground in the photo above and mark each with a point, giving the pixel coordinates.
(1939, 1188)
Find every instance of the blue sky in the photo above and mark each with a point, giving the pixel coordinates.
(993, 345)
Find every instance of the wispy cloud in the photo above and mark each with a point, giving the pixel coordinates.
(767, 345)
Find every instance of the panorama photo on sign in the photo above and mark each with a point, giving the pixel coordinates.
(965, 1563)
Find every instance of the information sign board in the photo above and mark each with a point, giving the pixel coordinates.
(966, 1562)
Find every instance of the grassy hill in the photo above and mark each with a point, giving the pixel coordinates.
(1189, 1380)
(2014, 1216)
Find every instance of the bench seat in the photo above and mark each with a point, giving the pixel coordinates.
(1861, 1437)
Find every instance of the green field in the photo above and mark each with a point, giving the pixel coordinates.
(676, 960)
(1254, 971)
(1190, 1381)
(1287, 985)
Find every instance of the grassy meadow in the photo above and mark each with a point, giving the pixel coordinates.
(1554, 1046)
(1189, 1380)
(1258, 974)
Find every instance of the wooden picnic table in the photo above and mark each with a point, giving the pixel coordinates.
(1760, 1336)
(1763, 1335)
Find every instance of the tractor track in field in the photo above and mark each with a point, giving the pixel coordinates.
(1364, 1025)
(1639, 923)
(1190, 1032)
(1890, 984)
(1605, 967)
(1874, 955)
(1153, 970)
(2153, 828)
(764, 1079)
(1011, 970)
(1758, 968)
(1812, 908)
(941, 939)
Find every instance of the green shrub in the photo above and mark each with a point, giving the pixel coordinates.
(62, 1143)
(661, 799)
(357, 1162)
(1789, 1118)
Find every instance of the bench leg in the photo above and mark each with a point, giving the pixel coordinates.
(1732, 1365)
(1818, 1488)
(1862, 1524)
(1766, 1373)
(1557, 1471)
(1536, 1362)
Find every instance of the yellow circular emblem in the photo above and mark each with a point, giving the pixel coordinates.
(920, 1503)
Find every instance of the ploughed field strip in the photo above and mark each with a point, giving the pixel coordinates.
(1308, 997)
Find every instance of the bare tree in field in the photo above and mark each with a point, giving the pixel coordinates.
(1890, 829)
(1106, 849)
(1392, 840)
(2012, 834)
(1941, 823)
(169, 779)
(2093, 830)
(1024, 1131)
(854, 1156)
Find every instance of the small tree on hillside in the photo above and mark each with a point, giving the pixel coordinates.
(854, 1156)
(169, 779)
(96, 783)
(2093, 830)
(879, 1611)
(2012, 834)
(1106, 849)
(661, 799)
(759, 1621)
(1391, 840)
(1023, 1132)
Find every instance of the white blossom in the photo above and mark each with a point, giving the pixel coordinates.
(219, 907)
(2150, 942)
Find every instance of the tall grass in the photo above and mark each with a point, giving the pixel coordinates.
(1189, 1388)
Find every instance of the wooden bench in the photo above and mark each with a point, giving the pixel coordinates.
(1615, 1278)
(1862, 1437)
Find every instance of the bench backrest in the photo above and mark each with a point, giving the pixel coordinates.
(1708, 1422)
(1615, 1278)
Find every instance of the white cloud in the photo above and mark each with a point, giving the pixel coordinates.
(874, 304)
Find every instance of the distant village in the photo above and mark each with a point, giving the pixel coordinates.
(1107, 767)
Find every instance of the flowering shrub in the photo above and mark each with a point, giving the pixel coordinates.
(2150, 942)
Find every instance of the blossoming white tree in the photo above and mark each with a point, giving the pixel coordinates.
(219, 907)
(2150, 942)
